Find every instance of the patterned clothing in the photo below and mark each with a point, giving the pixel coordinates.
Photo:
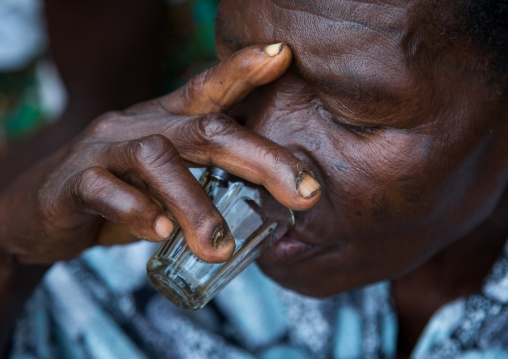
(101, 306)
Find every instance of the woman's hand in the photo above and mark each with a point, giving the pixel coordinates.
(127, 175)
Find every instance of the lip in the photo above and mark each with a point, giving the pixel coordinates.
(287, 250)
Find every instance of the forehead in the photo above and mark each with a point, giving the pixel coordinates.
(286, 15)
(342, 43)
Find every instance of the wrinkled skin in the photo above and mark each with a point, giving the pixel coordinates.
(128, 171)
(410, 149)
(126, 177)
(406, 137)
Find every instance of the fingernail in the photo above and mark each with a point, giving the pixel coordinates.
(220, 236)
(306, 185)
(164, 227)
(274, 49)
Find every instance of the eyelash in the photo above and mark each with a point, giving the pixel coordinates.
(356, 129)
(360, 129)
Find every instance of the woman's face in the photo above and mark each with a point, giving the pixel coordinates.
(407, 146)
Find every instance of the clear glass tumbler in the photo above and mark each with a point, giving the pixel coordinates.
(256, 220)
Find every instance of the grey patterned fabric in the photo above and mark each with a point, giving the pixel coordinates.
(101, 306)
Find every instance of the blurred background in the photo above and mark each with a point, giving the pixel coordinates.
(64, 62)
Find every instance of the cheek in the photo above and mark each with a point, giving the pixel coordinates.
(378, 188)
(378, 180)
(384, 174)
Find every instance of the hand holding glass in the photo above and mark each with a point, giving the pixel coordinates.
(256, 220)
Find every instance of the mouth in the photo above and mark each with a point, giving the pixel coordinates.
(287, 250)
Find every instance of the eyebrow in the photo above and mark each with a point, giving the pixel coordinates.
(362, 90)
(355, 93)
(345, 81)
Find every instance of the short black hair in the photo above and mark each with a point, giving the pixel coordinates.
(476, 29)
(487, 22)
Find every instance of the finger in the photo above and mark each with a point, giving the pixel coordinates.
(157, 162)
(104, 194)
(217, 140)
(219, 87)
(112, 234)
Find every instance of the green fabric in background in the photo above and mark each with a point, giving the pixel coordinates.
(21, 112)
(190, 45)
(189, 48)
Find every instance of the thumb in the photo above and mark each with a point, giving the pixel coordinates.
(226, 83)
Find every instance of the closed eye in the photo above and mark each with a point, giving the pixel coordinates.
(360, 129)
(356, 129)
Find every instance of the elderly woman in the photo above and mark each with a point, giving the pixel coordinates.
(384, 125)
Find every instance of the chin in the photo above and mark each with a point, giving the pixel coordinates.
(291, 277)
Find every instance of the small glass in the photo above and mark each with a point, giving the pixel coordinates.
(256, 221)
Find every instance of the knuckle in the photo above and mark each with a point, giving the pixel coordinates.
(279, 158)
(105, 125)
(196, 84)
(210, 128)
(283, 159)
(155, 151)
(200, 93)
(89, 183)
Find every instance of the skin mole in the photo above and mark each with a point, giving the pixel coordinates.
(339, 166)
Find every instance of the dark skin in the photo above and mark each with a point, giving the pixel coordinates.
(123, 178)
(409, 149)
(92, 62)
(143, 183)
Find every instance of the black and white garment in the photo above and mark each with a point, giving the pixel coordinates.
(101, 306)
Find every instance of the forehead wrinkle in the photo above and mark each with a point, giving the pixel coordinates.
(373, 71)
(360, 63)
(378, 16)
